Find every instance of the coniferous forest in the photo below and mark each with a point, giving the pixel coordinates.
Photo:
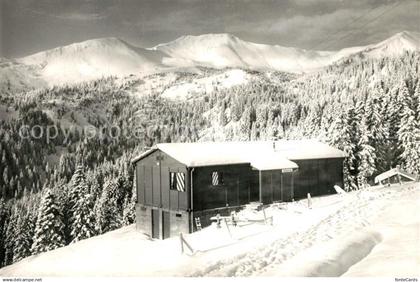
(66, 151)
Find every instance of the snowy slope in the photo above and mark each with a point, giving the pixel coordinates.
(225, 80)
(93, 59)
(16, 77)
(387, 247)
(335, 236)
(226, 50)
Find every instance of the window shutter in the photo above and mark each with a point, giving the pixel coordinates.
(215, 178)
(180, 182)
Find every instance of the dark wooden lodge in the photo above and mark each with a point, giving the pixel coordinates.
(179, 182)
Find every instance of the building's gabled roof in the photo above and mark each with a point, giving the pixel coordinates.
(392, 172)
(260, 154)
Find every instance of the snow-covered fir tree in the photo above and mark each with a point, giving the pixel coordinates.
(49, 230)
(129, 212)
(10, 235)
(83, 223)
(108, 214)
(23, 240)
(77, 185)
(409, 132)
(77, 204)
(366, 156)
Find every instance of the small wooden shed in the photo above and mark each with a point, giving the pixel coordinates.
(178, 182)
(395, 175)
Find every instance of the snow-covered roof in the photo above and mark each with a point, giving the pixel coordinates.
(392, 172)
(263, 155)
(272, 162)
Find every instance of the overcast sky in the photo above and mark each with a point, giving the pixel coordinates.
(28, 26)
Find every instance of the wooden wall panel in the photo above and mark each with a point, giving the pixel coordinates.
(140, 184)
(276, 183)
(156, 186)
(148, 176)
(165, 187)
(207, 196)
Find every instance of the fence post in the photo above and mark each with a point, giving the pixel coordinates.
(265, 216)
(227, 226)
(182, 243)
(309, 201)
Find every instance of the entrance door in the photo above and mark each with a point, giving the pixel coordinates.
(155, 224)
(166, 225)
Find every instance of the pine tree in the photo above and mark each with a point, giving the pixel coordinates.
(376, 124)
(409, 133)
(4, 216)
(9, 235)
(342, 137)
(78, 188)
(129, 213)
(61, 191)
(366, 156)
(23, 240)
(77, 185)
(108, 214)
(83, 225)
(49, 230)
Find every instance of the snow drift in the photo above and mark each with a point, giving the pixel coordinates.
(331, 259)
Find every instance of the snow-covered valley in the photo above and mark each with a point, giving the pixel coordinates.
(361, 233)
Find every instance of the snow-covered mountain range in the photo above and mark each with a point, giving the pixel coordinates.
(226, 50)
(111, 56)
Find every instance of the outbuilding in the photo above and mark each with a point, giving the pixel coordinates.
(178, 183)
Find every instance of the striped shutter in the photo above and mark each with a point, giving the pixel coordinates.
(215, 178)
(180, 182)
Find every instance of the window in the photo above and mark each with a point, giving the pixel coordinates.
(217, 178)
(177, 181)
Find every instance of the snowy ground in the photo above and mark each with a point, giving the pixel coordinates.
(374, 232)
(188, 89)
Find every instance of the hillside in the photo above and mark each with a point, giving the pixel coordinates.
(355, 233)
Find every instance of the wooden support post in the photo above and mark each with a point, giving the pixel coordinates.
(271, 186)
(227, 226)
(232, 218)
(183, 241)
(309, 201)
(293, 188)
(265, 216)
(260, 185)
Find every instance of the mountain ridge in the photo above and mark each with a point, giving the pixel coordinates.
(211, 49)
(111, 56)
